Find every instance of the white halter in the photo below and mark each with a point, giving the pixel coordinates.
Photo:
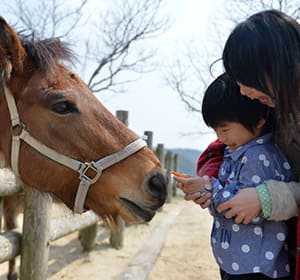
(19, 133)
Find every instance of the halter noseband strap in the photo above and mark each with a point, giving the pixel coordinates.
(19, 133)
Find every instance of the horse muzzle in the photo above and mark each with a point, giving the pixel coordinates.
(156, 188)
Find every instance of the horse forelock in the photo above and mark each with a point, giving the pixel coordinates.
(47, 52)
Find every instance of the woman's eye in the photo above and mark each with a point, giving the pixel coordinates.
(64, 107)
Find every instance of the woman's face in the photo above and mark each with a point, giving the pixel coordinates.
(256, 94)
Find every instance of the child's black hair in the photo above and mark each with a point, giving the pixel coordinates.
(223, 102)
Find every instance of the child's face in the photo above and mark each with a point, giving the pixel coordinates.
(234, 134)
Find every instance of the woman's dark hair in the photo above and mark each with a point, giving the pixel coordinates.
(223, 102)
(263, 52)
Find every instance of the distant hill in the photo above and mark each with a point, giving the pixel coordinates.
(187, 160)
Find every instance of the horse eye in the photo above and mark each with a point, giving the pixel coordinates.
(64, 107)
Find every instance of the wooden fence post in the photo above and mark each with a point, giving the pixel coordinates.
(149, 140)
(1, 199)
(169, 167)
(116, 239)
(117, 232)
(160, 152)
(87, 237)
(123, 116)
(35, 241)
(175, 168)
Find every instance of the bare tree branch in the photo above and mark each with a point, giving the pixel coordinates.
(178, 79)
(46, 19)
(193, 69)
(118, 45)
(124, 31)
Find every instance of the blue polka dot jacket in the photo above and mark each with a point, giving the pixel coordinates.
(258, 247)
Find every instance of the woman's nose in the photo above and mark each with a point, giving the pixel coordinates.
(247, 92)
(244, 90)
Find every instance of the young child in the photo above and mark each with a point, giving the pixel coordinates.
(256, 250)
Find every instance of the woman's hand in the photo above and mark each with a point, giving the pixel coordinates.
(244, 206)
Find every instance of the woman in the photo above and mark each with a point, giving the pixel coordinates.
(263, 55)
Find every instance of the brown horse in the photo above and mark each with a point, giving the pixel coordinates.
(58, 138)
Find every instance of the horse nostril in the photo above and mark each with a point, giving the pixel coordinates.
(157, 186)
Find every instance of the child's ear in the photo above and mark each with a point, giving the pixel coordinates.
(261, 123)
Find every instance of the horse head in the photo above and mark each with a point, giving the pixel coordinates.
(55, 134)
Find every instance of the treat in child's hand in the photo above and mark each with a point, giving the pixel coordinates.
(177, 174)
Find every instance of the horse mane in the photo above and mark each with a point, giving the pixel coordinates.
(47, 52)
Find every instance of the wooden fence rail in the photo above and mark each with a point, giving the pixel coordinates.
(10, 245)
(39, 230)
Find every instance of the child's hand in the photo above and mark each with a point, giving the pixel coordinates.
(191, 184)
(195, 188)
(178, 178)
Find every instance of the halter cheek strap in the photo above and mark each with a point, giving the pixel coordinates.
(98, 167)
(19, 133)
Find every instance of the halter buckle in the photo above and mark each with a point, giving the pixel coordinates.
(16, 130)
(90, 172)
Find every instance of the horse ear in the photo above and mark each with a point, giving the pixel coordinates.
(12, 53)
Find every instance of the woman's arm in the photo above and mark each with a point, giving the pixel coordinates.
(285, 199)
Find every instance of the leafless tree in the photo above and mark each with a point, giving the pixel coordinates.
(45, 19)
(196, 66)
(110, 43)
(125, 27)
(185, 76)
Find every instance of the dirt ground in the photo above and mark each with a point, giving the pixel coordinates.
(185, 254)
